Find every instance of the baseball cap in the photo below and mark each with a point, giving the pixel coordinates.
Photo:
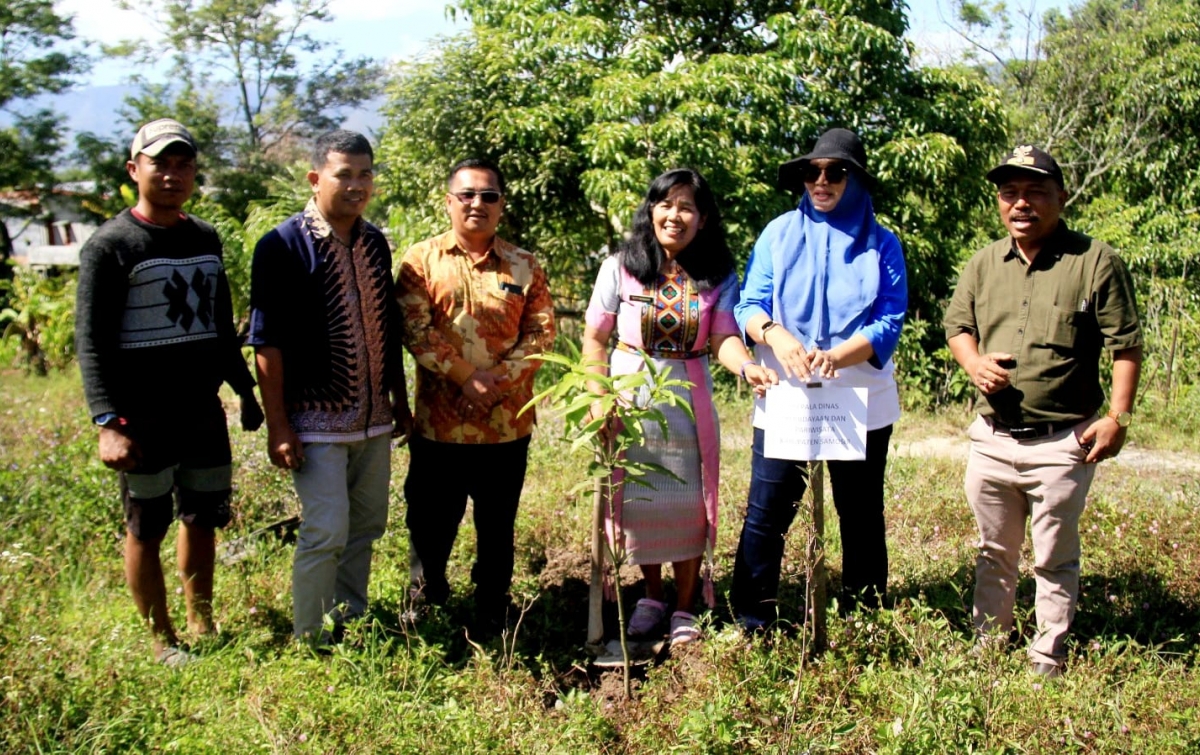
(1029, 159)
(157, 135)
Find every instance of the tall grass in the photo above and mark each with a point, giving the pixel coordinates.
(76, 673)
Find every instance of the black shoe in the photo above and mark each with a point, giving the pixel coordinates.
(1047, 670)
(491, 618)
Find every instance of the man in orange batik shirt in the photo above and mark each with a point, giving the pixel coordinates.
(475, 307)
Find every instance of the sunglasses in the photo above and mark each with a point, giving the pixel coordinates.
(488, 197)
(834, 174)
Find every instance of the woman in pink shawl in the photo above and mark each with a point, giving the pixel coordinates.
(670, 292)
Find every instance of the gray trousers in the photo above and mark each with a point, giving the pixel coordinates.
(343, 490)
(1046, 481)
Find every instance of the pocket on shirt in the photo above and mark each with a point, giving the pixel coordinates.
(506, 304)
(1063, 330)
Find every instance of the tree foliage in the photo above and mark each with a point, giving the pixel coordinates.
(582, 103)
(33, 58)
(36, 57)
(250, 81)
(256, 49)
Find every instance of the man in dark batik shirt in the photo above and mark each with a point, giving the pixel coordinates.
(324, 323)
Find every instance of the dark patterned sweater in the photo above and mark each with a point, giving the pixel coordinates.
(331, 311)
(154, 327)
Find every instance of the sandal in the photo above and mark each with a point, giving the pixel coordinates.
(647, 615)
(683, 628)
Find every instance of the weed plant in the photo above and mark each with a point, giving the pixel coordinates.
(76, 673)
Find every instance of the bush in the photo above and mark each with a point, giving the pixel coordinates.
(37, 312)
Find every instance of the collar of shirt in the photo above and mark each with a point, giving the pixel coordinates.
(448, 242)
(1052, 242)
(321, 228)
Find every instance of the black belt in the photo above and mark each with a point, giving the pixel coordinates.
(1032, 431)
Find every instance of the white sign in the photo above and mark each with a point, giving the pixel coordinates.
(815, 422)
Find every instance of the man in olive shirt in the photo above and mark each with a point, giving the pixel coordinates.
(1027, 322)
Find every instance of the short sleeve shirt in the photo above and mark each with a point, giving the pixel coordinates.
(674, 315)
(1054, 316)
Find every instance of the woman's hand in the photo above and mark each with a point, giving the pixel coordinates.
(823, 363)
(760, 378)
(595, 412)
(789, 351)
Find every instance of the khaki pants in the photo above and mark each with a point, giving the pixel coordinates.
(1046, 481)
(343, 491)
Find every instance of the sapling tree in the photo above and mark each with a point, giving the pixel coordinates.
(608, 415)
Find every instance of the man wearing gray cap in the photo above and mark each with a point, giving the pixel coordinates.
(1027, 322)
(155, 337)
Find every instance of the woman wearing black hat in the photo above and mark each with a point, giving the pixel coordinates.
(824, 294)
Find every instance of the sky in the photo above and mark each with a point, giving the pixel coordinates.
(402, 29)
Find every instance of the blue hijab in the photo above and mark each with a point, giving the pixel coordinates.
(826, 268)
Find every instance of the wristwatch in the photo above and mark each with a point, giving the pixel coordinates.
(762, 334)
(1123, 419)
(108, 419)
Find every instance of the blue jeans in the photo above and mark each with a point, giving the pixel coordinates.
(776, 489)
(440, 478)
(343, 490)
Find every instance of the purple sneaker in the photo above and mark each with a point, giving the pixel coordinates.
(647, 615)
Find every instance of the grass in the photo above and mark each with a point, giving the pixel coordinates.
(76, 674)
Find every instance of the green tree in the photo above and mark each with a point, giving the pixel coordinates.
(258, 50)
(286, 86)
(583, 103)
(36, 57)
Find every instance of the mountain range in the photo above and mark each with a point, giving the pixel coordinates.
(97, 109)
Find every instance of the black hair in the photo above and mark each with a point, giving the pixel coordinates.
(707, 260)
(477, 163)
(343, 141)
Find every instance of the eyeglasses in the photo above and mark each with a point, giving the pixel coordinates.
(834, 174)
(487, 197)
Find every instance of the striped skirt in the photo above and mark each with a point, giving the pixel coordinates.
(666, 522)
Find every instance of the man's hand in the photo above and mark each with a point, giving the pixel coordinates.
(468, 409)
(402, 424)
(988, 374)
(789, 352)
(284, 447)
(482, 391)
(119, 451)
(1103, 439)
(252, 413)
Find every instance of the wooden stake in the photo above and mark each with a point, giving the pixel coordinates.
(596, 589)
(816, 556)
